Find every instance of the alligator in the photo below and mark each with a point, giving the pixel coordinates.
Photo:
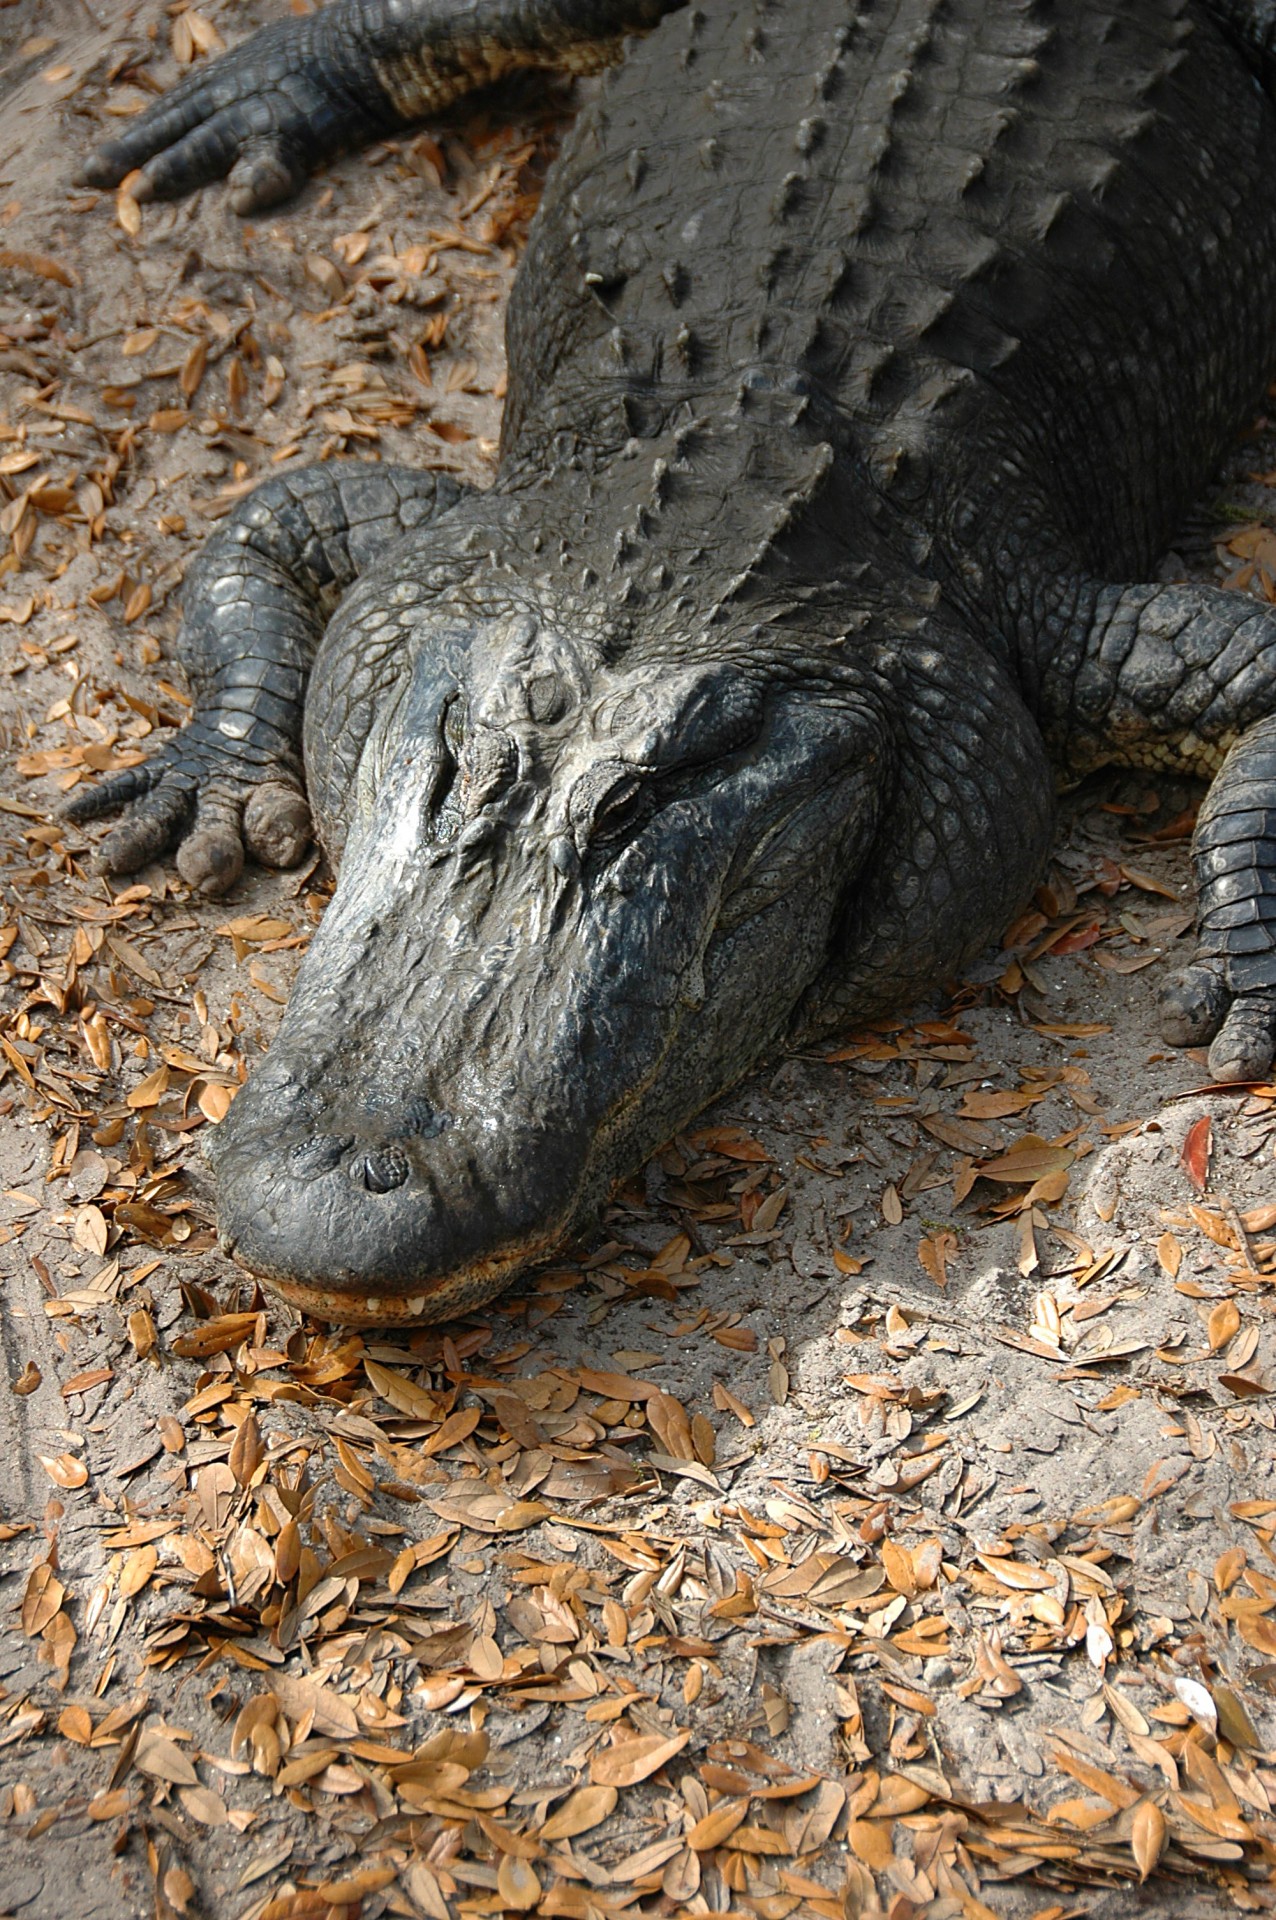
(864, 356)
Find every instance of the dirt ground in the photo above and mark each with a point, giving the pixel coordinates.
(874, 1516)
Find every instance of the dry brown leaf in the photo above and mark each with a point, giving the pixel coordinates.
(897, 1563)
(668, 1420)
(149, 1091)
(457, 1427)
(727, 1402)
(214, 1101)
(163, 1759)
(1170, 1255)
(934, 1253)
(1224, 1323)
(44, 1595)
(403, 1394)
(489, 1512)
(732, 1142)
(630, 1761)
(179, 1888)
(325, 274)
(583, 1810)
(997, 1106)
(870, 1841)
(1148, 1836)
(1219, 1821)
(517, 1884)
(1194, 1155)
(1017, 1574)
(1123, 1709)
(717, 1825)
(217, 1335)
(993, 1666)
(350, 1888)
(1031, 1158)
(247, 1451)
(613, 1386)
(41, 264)
(202, 1804)
(137, 1569)
(1234, 1723)
(64, 1469)
(1118, 1792)
(898, 1795)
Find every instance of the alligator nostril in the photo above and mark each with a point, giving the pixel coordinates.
(319, 1154)
(380, 1170)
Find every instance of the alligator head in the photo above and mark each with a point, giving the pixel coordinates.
(576, 901)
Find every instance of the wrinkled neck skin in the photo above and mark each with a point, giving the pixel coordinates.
(580, 893)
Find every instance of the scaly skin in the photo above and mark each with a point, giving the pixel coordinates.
(861, 362)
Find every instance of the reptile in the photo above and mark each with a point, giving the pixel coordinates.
(862, 360)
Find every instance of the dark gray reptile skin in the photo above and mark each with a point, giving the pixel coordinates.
(862, 360)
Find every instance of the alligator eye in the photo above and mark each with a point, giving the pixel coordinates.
(618, 810)
(445, 798)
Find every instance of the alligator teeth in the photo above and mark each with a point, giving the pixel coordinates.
(416, 1305)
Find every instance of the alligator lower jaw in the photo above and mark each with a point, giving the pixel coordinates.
(463, 1291)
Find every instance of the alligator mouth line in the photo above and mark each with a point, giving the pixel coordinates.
(459, 1292)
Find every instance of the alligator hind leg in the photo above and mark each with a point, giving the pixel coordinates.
(255, 604)
(1185, 678)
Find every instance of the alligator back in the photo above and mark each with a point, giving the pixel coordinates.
(1014, 261)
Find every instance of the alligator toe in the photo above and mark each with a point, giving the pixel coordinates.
(1194, 1004)
(1247, 1039)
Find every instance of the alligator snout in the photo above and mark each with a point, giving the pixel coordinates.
(373, 1230)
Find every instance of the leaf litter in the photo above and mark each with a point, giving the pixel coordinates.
(506, 1617)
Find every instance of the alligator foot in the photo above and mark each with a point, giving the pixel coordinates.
(1198, 1010)
(198, 795)
(301, 91)
(256, 602)
(1226, 996)
(266, 114)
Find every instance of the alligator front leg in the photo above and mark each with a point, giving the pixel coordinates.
(1183, 678)
(966, 829)
(256, 602)
(304, 90)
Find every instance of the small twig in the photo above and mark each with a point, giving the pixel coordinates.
(1242, 1237)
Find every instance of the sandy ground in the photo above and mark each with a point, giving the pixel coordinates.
(892, 1467)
